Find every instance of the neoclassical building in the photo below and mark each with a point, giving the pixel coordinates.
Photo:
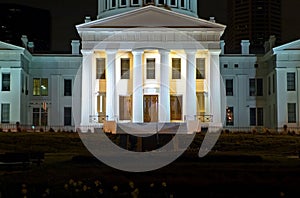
(150, 61)
(150, 64)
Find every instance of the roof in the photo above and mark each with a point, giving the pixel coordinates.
(150, 16)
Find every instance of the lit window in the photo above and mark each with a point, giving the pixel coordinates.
(100, 67)
(291, 82)
(176, 68)
(125, 107)
(150, 68)
(5, 82)
(229, 116)
(125, 68)
(67, 87)
(200, 68)
(201, 102)
(176, 107)
(67, 116)
(5, 113)
(229, 87)
(40, 86)
(291, 112)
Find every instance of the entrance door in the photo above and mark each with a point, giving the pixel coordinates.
(150, 108)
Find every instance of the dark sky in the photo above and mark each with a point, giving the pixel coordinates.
(68, 13)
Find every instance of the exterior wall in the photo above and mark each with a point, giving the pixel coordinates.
(56, 69)
(12, 63)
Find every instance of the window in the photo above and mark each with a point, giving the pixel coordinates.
(39, 117)
(5, 82)
(40, 86)
(225, 65)
(229, 116)
(200, 102)
(255, 65)
(125, 68)
(67, 116)
(229, 87)
(100, 68)
(5, 111)
(101, 104)
(125, 108)
(291, 112)
(256, 117)
(161, 2)
(150, 68)
(113, 3)
(256, 87)
(176, 68)
(200, 68)
(67, 87)
(173, 3)
(123, 3)
(291, 82)
(236, 65)
(149, 1)
(135, 2)
(176, 107)
(182, 3)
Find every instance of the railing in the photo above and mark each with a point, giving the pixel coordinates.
(9, 127)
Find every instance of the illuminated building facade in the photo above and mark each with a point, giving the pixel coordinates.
(150, 61)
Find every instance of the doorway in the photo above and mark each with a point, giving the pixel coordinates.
(150, 108)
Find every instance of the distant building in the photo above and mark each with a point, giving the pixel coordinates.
(17, 20)
(151, 64)
(255, 20)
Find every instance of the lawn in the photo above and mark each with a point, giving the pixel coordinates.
(240, 165)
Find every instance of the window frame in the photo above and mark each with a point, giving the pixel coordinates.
(6, 81)
(229, 90)
(100, 68)
(66, 91)
(125, 72)
(291, 83)
(5, 112)
(292, 115)
(68, 117)
(150, 70)
(230, 112)
(200, 68)
(176, 71)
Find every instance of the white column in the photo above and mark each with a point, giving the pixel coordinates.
(191, 103)
(111, 84)
(215, 88)
(86, 90)
(164, 97)
(137, 96)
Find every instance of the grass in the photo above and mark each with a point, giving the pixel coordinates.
(240, 165)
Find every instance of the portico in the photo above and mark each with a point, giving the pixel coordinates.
(166, 73)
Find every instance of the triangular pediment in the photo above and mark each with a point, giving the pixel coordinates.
(7, 46)
(295, 45)
(151, 16)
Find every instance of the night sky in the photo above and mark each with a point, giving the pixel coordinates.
(65, 14)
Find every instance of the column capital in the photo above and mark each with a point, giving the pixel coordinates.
(215, 51)
(164, 51)
(111, 51)
(137, 51)
(191, 51)
(87, 52)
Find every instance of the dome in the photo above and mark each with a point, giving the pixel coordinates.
(112, 7)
